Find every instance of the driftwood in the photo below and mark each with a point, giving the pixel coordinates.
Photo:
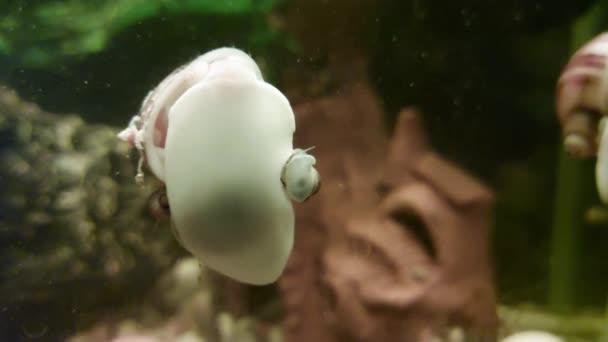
(394, 247)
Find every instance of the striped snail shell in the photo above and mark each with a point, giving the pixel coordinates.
(582, 98)
(582, 105)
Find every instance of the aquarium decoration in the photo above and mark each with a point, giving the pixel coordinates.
(45, 33)
(397, 240)
(220, 139)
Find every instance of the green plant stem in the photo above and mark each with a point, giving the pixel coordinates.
(574, 195)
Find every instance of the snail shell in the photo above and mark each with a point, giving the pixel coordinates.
(582, 105)
(581, 96)
(220, 138)
(299, 177)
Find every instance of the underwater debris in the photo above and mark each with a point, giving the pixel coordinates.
(395, 249)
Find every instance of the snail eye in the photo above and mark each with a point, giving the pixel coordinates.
(158, 205)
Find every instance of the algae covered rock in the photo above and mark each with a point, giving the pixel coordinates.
(75, 233)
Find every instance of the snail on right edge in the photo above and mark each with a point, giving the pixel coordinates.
(582, 105)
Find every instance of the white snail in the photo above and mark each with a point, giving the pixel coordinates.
(220, 138)
(582, 103)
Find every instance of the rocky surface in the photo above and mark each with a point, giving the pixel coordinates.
(75, 232)
(180, 308)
